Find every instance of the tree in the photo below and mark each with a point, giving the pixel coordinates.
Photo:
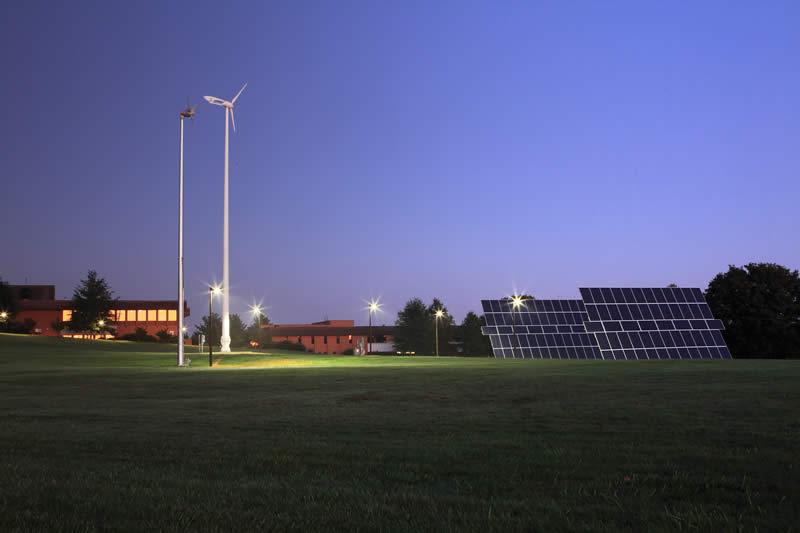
(759, 303)
(258, 334)
(446, 328)
(475, 342)
(415, 328)
(215, 329)
(238, 331)
(8, 304)
(92, 303)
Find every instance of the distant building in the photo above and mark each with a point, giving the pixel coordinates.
(333, 336)
(38, 303)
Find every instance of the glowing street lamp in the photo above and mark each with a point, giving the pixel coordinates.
(372, 307)
(3, 315)
(517, 301)
(213, 290)
(437, 316)
(257, 313)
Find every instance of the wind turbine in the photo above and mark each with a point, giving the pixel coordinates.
(225, 341)
(189, 112)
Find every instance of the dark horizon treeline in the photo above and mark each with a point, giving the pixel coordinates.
(759, 304)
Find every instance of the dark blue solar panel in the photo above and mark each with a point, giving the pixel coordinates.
(539, 329)
(653, 323)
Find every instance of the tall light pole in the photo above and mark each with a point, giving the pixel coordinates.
(373, 307)
(225, 341)
(517, 301)
(437, 316)
(212, 290)
(257, 312)
(186, 113)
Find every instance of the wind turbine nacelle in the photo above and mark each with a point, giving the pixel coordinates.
(218, 101)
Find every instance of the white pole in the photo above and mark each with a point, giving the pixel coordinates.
(225, 341)
(180, 255)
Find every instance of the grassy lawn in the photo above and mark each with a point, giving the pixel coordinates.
(111, 436)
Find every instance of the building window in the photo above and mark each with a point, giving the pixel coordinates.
(141, 315)
(151, 315)
(66, 315)
(325, 339)
(172, 315)
(162, 315)
(337, 340)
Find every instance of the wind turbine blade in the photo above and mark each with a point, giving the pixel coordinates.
(233, 122)
(237, 94)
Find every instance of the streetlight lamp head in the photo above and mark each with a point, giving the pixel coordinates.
(3, 315)
(216, 290)
(517, 301)
(439, 313)
(101, 323)
(256, 309)
(374, 306)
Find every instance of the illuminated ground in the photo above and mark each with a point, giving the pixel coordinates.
(111, 436)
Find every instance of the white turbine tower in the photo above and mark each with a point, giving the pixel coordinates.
(225, 341)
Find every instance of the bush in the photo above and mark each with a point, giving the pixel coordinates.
(348, 351)
(140, 335)
(285, 345)
(164, 336)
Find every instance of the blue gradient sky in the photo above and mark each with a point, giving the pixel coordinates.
(449, 149)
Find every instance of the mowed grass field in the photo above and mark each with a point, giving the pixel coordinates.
(111, 436)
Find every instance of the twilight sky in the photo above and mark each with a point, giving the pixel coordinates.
(397, 149)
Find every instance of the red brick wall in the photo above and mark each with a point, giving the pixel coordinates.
(317, 344)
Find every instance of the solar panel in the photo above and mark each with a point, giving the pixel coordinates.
(653, 323)
(539, 329)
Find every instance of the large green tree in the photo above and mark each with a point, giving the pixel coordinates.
(415, 328)
(257, 333)
(759, 303)
(211, 328)
(475, 342)
(92, 302)
(239, 336)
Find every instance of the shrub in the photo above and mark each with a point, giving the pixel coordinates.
(140, 335)
(164, 336)
(285, 345)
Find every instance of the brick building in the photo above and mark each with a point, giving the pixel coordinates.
(332, 336)
(38, 303)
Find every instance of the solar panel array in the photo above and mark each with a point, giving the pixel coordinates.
(541, 329)
(655, 323)
(608, 323)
